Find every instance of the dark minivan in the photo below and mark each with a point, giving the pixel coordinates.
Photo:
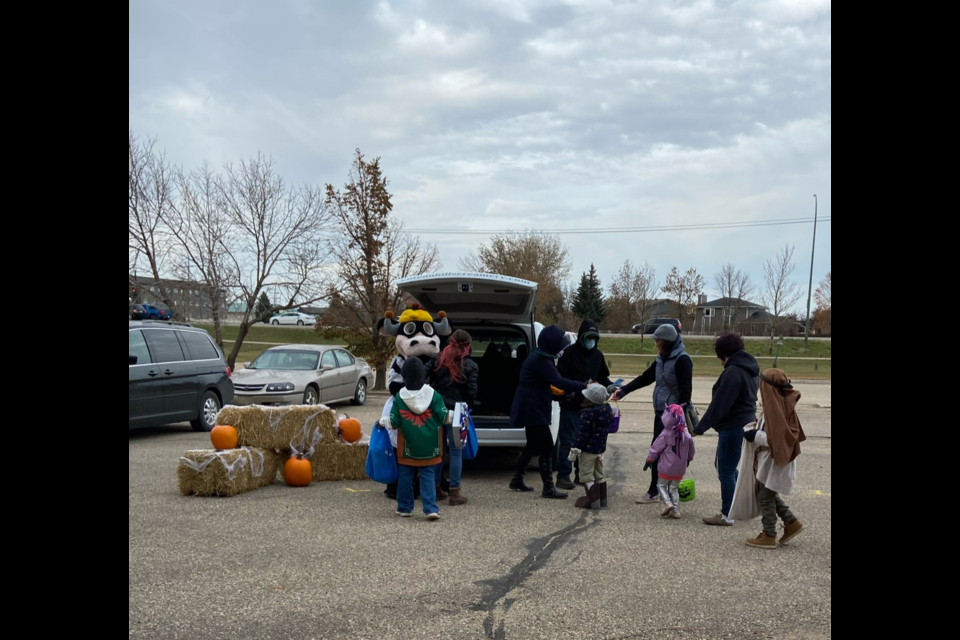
(177, 374)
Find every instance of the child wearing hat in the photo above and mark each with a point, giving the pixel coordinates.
(672, 452)
(596, 416)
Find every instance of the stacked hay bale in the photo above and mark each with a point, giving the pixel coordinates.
(266, 438)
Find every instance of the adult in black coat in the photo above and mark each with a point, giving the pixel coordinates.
(584, 362)
(532, 408)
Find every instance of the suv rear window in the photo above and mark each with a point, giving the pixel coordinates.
(199, 346)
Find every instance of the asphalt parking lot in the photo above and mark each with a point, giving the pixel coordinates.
(333, 561)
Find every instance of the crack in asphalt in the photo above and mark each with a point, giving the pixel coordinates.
(540, 550)
(496, 596)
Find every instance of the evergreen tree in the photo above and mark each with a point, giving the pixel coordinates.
(588, 300)
(263, 308)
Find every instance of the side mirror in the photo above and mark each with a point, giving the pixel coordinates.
(246, 364)
(326, 367)
(133, 359)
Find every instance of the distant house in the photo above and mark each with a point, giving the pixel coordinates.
(743, 316)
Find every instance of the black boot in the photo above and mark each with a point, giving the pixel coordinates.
(546, 475)
(519, 467)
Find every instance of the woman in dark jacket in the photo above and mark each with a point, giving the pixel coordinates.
(732, 406)
(532, 410)
(454, 376)
(672, 376)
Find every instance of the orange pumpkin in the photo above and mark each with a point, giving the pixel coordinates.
(297, 471)
(350, 429)
(223, 436)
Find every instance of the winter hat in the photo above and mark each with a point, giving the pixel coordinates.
(673, 417)
(666, 332)
(414, 374)
(596, 393)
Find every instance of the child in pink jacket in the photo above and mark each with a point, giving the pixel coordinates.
(673, 450)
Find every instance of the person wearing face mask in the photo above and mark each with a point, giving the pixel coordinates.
(672, 376)
(584, 362)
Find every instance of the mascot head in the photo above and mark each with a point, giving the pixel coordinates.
(415, 331)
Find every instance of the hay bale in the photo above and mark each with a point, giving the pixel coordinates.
(340, 461)
(297, 426)
(226, 472)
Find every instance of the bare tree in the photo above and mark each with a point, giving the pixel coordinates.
(632, 289)
(822, 317)
(532, 255)
(279, 233)
(780, 292)
(732, 284)
(149, 196)
(199, 222)
(371, 251)
(683, 289)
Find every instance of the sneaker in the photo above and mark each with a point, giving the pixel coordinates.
(675, 514)
(648, 499)
(404, 514)
(667, 509)
(790, 530)
(763, 541)
(564, 483)
(718, 520)
(433, 516)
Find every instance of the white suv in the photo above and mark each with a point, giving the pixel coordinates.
(497, 312)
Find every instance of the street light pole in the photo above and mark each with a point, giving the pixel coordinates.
(806, 328)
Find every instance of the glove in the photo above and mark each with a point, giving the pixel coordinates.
(574, 452)
(646, 466)
(750, 435)
(385, 422)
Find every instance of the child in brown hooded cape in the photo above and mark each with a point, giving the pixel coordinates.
(771, 451)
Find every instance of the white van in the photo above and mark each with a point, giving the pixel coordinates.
(497, 312)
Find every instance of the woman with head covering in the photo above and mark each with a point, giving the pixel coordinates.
(776, 443)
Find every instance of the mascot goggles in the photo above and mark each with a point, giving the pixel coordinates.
(412, 328)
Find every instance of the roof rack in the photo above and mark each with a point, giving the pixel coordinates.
(166, 322)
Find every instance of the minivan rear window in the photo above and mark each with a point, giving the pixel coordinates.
(199, 346)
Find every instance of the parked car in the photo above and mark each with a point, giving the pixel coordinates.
(303, 374)
(293, 317)
(177, 373)
(497, 311)
(651, 325)
(145, 311)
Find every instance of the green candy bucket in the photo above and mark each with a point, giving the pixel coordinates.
(687, 490)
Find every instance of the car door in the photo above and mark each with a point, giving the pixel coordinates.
(349, 373)
(329, 380)
(180, 394)
(146, 384)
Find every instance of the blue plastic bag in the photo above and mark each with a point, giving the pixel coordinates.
(381, 463)
(471, 447)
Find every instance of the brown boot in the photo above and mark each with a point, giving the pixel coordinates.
(763, 541)
(455, 497)
(790, 529)
(591, 500)
(441, 494)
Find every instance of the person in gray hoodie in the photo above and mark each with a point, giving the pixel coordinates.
(732, 406)
(672, 376)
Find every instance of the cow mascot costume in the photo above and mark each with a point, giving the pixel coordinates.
(417, 336)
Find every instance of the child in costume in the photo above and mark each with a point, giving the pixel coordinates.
(772, 453)
(673, 452)
(418, 413)
(596, 416)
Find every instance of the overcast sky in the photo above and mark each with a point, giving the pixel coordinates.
(494, 115)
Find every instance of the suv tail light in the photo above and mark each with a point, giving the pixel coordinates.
(229, 372)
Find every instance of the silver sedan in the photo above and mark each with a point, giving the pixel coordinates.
(303, 374)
